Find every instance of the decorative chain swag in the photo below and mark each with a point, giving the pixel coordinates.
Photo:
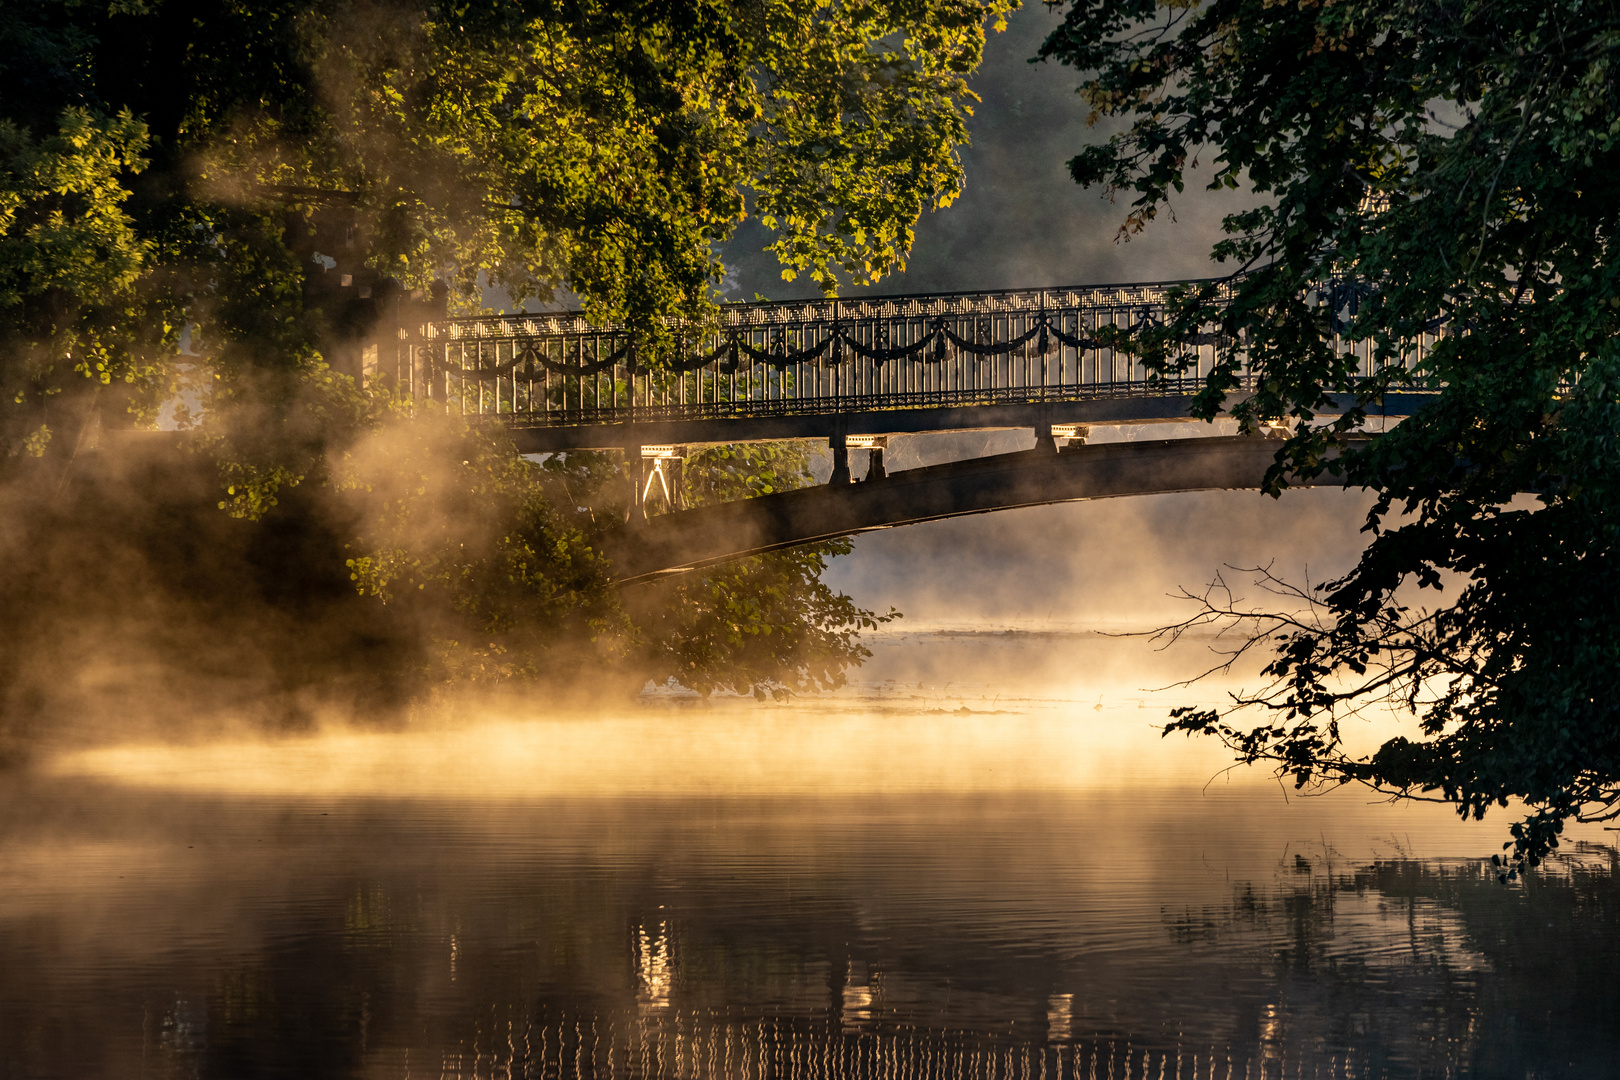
(729, 355)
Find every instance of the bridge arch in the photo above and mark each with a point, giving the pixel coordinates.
(691, 539)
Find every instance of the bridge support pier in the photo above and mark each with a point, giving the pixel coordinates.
(1073, 435)
(1044, 442)
(665, 476)
(840, 454)
(874, 445)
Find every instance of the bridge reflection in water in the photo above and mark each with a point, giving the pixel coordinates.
(1140, 925)
(857, 1034)
(699, 1045)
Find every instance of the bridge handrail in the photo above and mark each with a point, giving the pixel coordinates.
(868, 352)
(754, 314)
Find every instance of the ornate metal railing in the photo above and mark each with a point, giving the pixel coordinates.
(802, 357)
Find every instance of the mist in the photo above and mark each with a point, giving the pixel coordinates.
(141, 654)
(1022, 222)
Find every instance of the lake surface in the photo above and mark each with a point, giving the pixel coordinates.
(979, 861)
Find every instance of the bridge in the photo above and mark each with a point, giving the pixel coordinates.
(854, 372)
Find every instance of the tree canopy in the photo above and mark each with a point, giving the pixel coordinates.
(1437, 184)
(174, 163)
(216, 204)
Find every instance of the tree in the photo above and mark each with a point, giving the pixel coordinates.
(496, 561)
(766, 624)
(277, 183)
(1439, 194)
(177, 162)
(472, 549)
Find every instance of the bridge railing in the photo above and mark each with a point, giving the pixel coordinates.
(804, 357)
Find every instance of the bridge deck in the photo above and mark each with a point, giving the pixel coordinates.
(1156, 408)
(823, 368)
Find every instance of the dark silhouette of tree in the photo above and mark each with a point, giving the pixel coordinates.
(1437, 190)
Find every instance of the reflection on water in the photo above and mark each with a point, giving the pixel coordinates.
(876, 886)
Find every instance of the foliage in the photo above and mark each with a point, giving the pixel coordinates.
(1451, 164)
(766, 624)
(172, 163)
(461, 536)
(71, 262)
(274, 184)
(132, 607)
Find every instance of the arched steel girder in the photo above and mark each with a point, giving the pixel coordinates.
(689, 539)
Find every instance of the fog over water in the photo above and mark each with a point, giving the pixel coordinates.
(979, 860)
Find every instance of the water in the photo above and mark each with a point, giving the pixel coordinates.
(1003, 874)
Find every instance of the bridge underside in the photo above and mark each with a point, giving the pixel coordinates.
(1135, 408)
(689, 539)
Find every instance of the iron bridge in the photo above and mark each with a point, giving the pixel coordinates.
(850, 371)
(812, 368)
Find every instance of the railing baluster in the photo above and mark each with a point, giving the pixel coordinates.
(458, 364)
